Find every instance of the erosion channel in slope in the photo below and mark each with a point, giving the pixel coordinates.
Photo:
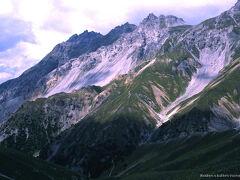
(211, 64)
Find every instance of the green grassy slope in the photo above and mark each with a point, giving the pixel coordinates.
(184, 158)
(19, 166)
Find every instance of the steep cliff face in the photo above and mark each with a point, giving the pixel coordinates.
(107, 62)
(16, 91)
(33, 82)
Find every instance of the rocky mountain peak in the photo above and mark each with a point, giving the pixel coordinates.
(173, 21)
(125, 28)
(85, 34)
(163, 21)
(150, 19)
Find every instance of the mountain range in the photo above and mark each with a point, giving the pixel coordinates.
(154, 101)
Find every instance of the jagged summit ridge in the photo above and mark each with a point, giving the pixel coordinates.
(162, 20)
(86, 33)
(107, 62)
(124, 28)
(33, 82)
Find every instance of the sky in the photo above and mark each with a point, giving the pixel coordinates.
(30, 29)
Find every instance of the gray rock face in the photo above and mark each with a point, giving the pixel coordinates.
(91, 41)
(32, 83)
(107, 62)
(164, 21)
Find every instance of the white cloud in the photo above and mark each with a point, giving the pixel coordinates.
(13, 31)
(74, 16)
(53, 21)
(4, 76)
(6, 7)
(13, 62)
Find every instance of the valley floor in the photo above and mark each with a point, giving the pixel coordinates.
(183, 159)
